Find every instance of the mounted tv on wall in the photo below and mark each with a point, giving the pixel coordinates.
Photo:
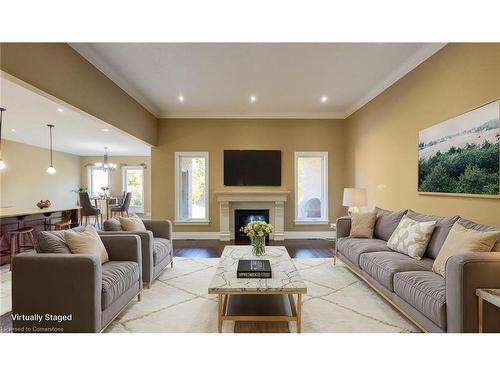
(252, 167)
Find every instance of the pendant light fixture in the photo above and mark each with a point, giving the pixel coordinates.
(51, 169)
(2, 163)
(105, 165)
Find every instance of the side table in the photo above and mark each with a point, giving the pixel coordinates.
(490, 295)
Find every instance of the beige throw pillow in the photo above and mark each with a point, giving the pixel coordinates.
(411, 237)
(87, 242)
(463, 240)
(132, 223)
(362, 224)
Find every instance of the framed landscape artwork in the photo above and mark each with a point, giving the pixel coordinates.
(461, 155)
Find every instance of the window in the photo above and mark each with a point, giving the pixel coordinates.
(133, 182)
(97, 178)
(311, 187)
(191, 187)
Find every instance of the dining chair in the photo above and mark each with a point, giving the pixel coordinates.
(124, 207)
(88, 210)
(64, 223)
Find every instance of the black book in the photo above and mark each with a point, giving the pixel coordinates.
(254, 269)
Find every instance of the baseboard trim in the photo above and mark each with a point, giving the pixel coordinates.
(196, 235)
(292, 235)
(309, 235)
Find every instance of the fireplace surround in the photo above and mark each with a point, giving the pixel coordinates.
(271, 200)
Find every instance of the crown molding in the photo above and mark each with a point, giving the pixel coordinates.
(253, 115)
(413, 61)
(96, 60)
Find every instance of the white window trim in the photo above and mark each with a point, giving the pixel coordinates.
(93, 194)
(322, 220)
(178, 220)
(139, 209)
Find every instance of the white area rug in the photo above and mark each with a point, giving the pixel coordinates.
(337, 301)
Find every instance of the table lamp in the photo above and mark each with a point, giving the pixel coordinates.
(354, 198)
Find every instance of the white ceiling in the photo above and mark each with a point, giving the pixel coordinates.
(77, 133)
(217, 79)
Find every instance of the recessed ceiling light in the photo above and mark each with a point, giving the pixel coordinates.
(181, 98)
(13, 130)
(60, 110)
(253, 99)
(105, 130)
(324, 99)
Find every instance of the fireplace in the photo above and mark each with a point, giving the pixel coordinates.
(243, 217)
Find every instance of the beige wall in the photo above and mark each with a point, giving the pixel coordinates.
(59, 70)
(116, 184)
(216, 135)
(382, 152)
(25, 180)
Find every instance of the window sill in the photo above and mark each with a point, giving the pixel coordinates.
(192, 222)
(312, 222)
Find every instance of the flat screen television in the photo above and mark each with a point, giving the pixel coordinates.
(252, 167)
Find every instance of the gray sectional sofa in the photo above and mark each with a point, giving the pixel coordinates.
(433, 303)
(156, 245)
(54, 290)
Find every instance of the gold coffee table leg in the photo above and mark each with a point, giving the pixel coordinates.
(299, 313)
(480, 314)
(219, 313)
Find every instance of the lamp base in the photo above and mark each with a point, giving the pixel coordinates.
(352, 210)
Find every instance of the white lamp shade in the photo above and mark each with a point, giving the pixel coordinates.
(354, 197)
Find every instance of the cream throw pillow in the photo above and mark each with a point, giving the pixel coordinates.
(362, 224)
(132, 223)
(87, 242)
(462, 240)
(411, 237)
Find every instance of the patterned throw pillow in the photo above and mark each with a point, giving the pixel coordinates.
(411, 237)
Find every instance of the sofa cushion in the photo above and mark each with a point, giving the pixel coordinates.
(441, 230)
(352, 248)
(112, 225)
(382, 266)
(362, 225)
(425, 291)
(462, 240)
(386, 222)
(117, 278)
(87, 243)
(132, 223)
(54, 241)
(411, 237)
(482, 228)
(161, 249)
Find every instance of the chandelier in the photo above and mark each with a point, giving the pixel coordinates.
(105, 164)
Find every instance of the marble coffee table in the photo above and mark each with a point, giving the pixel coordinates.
(285, 281)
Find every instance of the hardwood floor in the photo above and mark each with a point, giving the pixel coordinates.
(320, 248)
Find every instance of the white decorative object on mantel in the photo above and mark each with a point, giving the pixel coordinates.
(271, 200)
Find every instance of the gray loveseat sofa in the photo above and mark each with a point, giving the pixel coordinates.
(433, 303)
(156, 245)
(57, 291)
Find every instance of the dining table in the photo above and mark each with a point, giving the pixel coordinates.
(104, 204)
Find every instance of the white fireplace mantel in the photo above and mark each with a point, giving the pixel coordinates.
(272, 200)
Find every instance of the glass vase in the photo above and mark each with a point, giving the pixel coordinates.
(258, 245)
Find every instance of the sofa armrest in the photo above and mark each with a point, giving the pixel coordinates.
(464, 274)
(65, 285)
(343, 227)
(146, 247)
(160, 228)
